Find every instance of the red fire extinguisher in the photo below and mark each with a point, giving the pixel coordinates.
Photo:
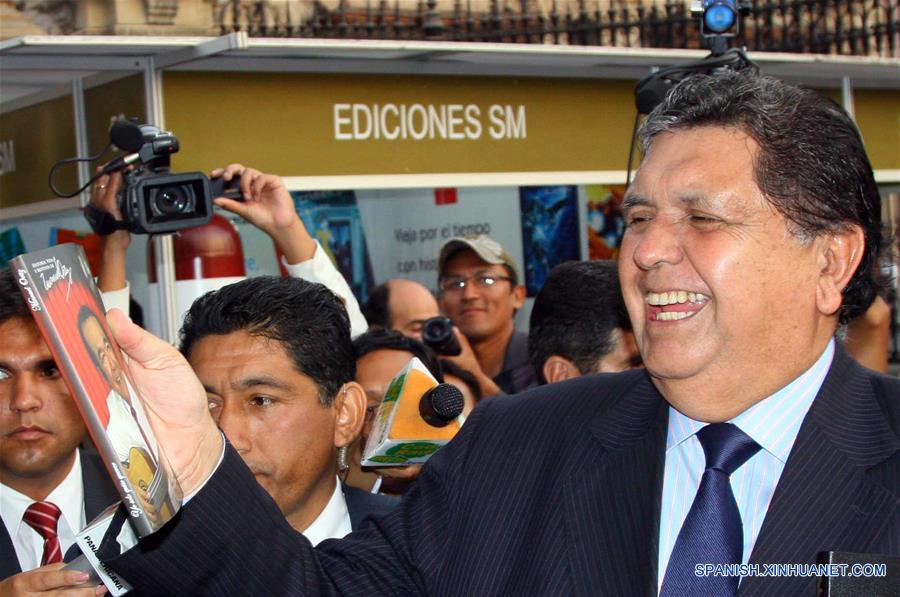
(206, 258)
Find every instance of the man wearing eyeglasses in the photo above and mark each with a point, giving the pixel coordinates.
(480, 292)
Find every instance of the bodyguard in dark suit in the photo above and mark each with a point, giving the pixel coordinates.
(750, 439)
(364, 506)
(40, 430)
(275, 357)
(99, 493)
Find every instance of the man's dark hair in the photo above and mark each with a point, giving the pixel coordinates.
(576, 314)
(383, 339)
(308, 320)
(376, 308)
(12, 303)
(812, 166)
(450, 368)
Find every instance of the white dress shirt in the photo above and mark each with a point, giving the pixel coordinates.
(320, 269)
(334, 520)
(118, 299)
(773, 423)
(68, 497)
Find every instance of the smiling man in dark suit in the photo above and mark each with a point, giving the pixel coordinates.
(750, 437)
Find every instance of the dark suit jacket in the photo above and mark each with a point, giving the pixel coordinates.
(98, 494)
(363, 506)
(516, 374)
(553, 492)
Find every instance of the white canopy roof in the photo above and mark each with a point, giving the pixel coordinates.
(32, 67)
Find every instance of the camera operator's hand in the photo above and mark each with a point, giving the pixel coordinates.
(104, 191)
(268, 205)
(113, 247)
(175, 402)
(467, 360)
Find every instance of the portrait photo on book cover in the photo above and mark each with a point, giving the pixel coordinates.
(137, 451)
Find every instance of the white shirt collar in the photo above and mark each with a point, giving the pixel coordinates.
(68, 497)
(774, 422)
(334, 520)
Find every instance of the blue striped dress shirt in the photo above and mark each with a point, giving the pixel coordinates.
(773, 423)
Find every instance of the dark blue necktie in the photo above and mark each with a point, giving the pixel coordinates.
(712, 533)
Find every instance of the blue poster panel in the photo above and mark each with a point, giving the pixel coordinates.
(332, 217)
(549, 231)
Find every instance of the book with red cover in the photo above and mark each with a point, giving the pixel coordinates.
(59, 289)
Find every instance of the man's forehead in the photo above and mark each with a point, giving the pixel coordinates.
(26, 343)
(381, 365)
(248, 360)
(91, 326)
(703, 167)
(406, 294)
(719, 198)
(468, 260)
(19, 324)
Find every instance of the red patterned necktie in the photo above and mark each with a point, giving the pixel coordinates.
(43, 517)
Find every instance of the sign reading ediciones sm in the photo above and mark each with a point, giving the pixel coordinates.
(307, 124)
(449, 122)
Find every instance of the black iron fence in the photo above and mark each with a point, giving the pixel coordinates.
(849, 27)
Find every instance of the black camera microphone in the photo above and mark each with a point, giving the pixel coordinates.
(126, 135)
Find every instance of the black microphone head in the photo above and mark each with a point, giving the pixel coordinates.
(447, 401)
(126, 135)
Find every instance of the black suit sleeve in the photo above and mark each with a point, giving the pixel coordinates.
(231, 539)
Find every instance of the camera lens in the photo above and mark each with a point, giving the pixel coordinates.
(160, 202)
(171, 200)
(437, 333)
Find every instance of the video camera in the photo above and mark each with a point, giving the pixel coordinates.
(720, 20)
(153, 199)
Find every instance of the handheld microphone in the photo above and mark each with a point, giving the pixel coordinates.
(441, 405)
(126, 135)
(417, 416)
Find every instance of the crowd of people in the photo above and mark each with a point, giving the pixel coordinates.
(711, 412)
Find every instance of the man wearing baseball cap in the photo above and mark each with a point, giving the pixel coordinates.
(480, 292)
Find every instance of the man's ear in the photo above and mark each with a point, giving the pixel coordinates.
(839, 255)
(557, 368)
(518, 296)
(349, 413)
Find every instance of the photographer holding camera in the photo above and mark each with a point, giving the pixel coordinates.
(480, 291)
(266, 204)
(111, 278)
(411, 309)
